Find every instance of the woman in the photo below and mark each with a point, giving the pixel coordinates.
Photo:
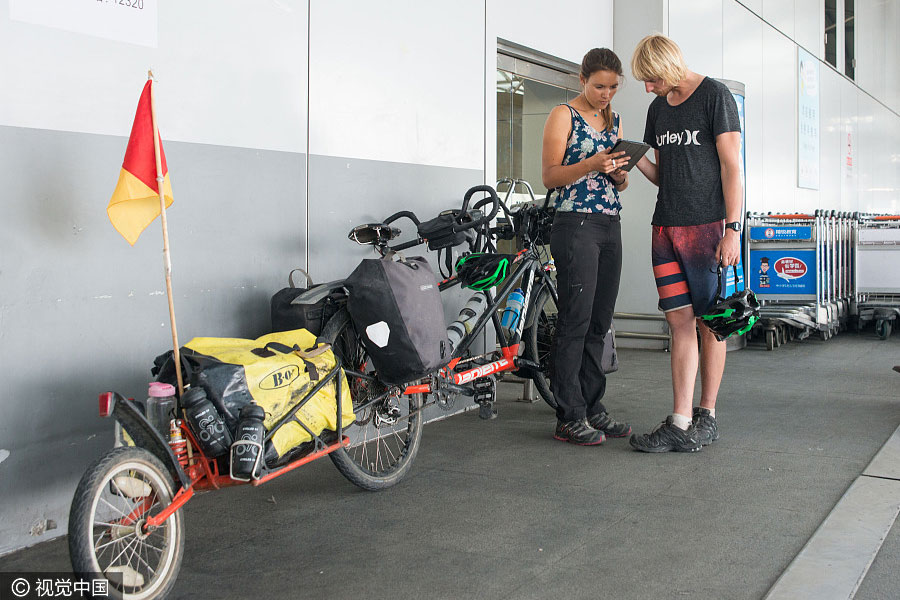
(586, 243)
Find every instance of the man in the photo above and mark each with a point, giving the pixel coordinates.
(694, 129)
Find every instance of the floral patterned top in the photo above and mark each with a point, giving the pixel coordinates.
(595, 192)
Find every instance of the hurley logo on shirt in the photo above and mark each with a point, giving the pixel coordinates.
(684, 138)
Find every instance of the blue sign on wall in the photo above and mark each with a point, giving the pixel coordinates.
(783, 271)
(781, 233)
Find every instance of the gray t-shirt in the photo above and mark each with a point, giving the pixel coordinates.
(690, 179)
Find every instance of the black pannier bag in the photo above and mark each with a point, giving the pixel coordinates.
(312, 317)
(396, 309)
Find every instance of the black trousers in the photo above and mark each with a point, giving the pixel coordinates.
(587, 250)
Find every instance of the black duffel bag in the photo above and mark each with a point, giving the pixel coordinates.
(312, 317)
(396, 308)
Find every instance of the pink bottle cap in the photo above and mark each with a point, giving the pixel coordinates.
(158, 389)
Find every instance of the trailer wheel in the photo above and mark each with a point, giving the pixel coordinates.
(106, 525)
(770, 339)
(883, 328)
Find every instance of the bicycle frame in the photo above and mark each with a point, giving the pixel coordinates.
(509, 347)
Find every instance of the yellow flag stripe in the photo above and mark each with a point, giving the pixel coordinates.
(134, 205)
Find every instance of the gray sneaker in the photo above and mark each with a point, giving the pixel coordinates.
(612, 428)
(578, 432)
(705, 424)
(667, 437)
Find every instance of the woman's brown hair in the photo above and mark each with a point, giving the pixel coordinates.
(601, 59)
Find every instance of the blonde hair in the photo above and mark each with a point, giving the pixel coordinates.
(658, 57)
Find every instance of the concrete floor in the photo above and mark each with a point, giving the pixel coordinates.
(498, 509)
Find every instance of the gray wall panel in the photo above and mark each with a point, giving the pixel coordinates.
(346, 192)
(82, 312)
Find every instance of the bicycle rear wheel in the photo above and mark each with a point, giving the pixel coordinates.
(538, 338)
(385, 434)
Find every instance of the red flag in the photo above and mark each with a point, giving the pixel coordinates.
(135, 202)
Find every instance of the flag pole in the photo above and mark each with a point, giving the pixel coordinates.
(166, 260)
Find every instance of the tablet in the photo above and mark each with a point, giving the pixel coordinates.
(631, 148)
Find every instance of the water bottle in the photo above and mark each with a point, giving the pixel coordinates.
(160, 406)
(514, 304)
(205, 421)
(246, 451)
(468, 316)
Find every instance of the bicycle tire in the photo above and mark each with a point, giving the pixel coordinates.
(395, 444)
(537, 338)
(115, 489)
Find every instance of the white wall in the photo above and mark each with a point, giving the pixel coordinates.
(401, 81)
(565, 29)
(228, 73)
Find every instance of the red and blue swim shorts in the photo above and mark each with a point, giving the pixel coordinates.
(684, 265)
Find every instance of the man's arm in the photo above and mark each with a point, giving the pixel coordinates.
(728, 146)
(650, 169)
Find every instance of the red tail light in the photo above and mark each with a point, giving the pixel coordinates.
(106, 404)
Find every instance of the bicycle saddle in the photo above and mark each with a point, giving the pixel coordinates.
(376, 234)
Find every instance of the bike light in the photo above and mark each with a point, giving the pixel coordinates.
(106, 404)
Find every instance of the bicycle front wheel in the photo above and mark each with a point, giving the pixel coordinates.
(538, 338)
(107, 533)
(386, 431)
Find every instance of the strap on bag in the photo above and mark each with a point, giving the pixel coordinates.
(269, 350)
(720, 284)
(309, 279)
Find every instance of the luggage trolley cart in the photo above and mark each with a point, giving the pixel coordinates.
(877, 273)
(835, 251)
(785, 254)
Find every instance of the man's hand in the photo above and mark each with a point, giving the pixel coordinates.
(729, 250)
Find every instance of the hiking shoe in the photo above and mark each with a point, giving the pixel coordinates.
(578, 432)
(705, 424)
(667, 438)
(609, 426)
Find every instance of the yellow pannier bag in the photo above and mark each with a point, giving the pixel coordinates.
(276, 371)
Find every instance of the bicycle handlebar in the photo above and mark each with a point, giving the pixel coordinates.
(495, 206)
(403, 213)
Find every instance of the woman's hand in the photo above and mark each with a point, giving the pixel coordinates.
(606, 162)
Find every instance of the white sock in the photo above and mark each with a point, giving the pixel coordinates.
(680, 421)
(712, 412)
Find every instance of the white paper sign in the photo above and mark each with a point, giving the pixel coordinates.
(132, 21)
(807, 120)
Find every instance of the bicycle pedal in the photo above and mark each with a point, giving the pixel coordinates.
(486, 396)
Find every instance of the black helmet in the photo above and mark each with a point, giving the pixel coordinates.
(733, 315)
(482, 271)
